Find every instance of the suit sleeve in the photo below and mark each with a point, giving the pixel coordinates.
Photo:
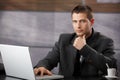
(101, 57)
(52, 58)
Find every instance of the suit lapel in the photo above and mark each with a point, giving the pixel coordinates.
(70, 53)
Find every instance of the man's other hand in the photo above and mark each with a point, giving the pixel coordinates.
(42, 71)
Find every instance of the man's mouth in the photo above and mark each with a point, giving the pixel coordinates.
(79, 31)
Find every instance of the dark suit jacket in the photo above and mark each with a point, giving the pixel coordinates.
(97, 52)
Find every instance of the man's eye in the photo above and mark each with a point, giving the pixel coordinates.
(74, 21)
(83, 21)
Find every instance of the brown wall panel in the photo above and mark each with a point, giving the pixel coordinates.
(38, 5)
(56, 5)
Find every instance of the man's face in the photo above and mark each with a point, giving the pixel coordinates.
(81, 24)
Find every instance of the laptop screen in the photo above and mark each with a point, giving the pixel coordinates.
(17, 61)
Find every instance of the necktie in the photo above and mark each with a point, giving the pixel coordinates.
(77, 66)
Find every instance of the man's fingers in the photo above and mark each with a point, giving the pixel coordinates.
(48, 72)
(84, 36)
(41, 73)
(36, 71)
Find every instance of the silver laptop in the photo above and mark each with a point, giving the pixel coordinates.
(17, 63)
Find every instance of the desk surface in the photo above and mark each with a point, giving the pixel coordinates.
(4, 77)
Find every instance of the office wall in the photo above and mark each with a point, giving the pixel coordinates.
(41, 30)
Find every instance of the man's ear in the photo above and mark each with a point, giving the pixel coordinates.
(92, 21)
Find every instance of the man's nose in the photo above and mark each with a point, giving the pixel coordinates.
(78, 25)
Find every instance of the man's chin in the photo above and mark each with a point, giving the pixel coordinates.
(78, 34)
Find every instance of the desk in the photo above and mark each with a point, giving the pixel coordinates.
(4, 77)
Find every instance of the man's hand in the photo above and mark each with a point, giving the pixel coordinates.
(42, 71)
(79, 42)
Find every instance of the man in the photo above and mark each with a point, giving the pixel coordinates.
(83, 53)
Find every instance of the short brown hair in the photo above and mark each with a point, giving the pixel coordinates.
(83, 9)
